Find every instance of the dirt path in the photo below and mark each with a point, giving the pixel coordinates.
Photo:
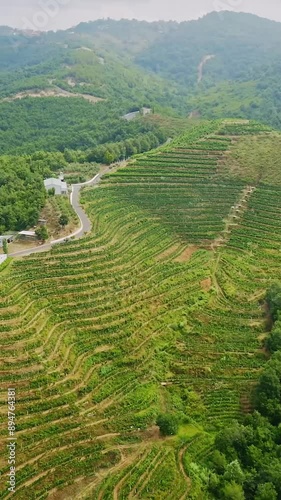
(234, 217)
(201, 66)
(182, 469)
(143, 455)
(147, 475)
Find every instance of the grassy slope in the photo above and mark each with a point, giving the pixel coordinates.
(165, 289)
(256, 159)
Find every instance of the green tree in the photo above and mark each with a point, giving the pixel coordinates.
(168, 424)
(273, 299)
(274, 341)
(234, 473)
(219, 461)
(266, 491)
(51, 192)
(5, 246)
(108, 157)
(269, 392)
(63, 220)
(42, 233)
(130, 148)
(233, 491)
(269, 385)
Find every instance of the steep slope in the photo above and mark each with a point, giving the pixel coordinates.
(146, 315)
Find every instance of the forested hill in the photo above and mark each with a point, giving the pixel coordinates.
(224, 64)
(241, 44)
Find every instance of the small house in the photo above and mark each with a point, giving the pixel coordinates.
(29, 235)
(58, 185)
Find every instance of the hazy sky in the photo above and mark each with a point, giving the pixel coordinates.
(55, 14)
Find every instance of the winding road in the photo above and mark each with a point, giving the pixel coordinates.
(85, 223)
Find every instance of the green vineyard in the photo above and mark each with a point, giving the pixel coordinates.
(158, 310)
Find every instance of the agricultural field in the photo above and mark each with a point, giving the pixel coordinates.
(158, 310)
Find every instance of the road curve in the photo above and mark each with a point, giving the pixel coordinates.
(85, 223)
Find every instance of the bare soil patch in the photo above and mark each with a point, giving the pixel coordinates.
(21, 245)
(87, 49)
(262, 337)
(152, 434)
(52, 92)
(186, 254)
(206, 284)
(51, 213)
(103, 348)
(169, 251)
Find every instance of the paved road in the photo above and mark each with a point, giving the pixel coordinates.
(85, 223)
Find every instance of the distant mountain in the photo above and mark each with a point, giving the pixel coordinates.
(128, 35)
(232, 67)
(241, 44)
(210, 68)
(78, 61)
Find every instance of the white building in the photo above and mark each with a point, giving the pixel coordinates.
(27, 234)
(58, 185)
(134, 114)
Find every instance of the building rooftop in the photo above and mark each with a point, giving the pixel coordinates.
(55, 182)
(27, 233)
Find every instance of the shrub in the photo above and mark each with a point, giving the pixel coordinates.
(168, 424)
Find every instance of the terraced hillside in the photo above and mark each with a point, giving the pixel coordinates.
(156, 311)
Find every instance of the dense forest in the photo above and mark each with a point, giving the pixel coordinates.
(22, 194)
(54, 124)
